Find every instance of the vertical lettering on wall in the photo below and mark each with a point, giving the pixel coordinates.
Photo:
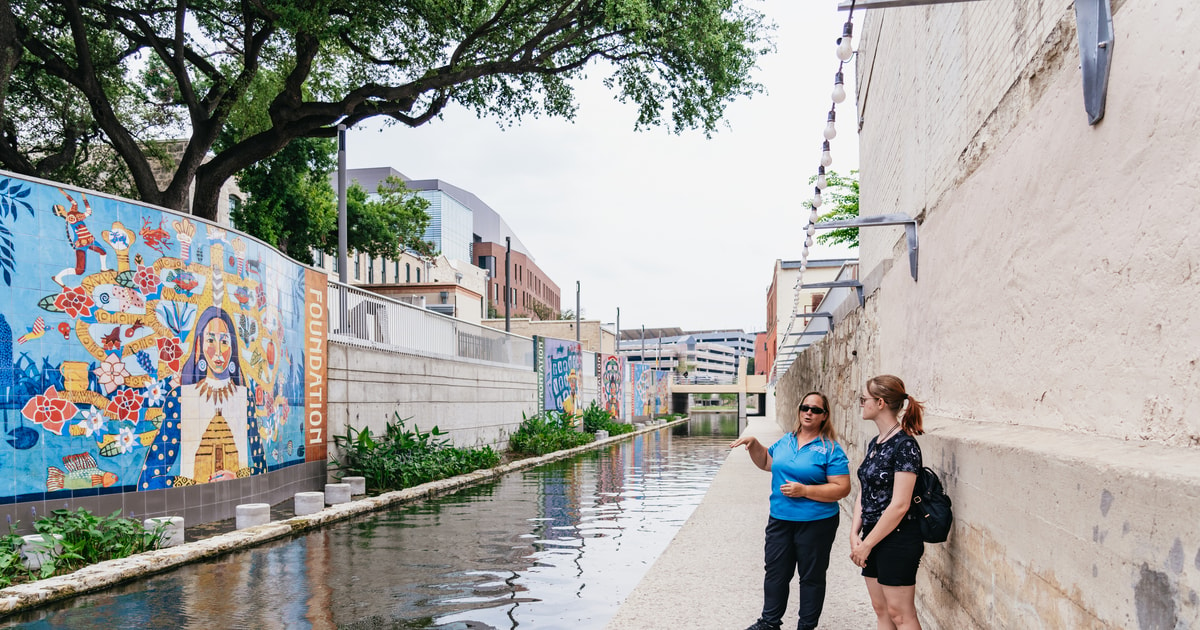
(316, 318)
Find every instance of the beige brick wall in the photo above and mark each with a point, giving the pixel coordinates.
(1055, 328)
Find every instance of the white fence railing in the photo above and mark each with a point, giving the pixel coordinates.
(364, 319)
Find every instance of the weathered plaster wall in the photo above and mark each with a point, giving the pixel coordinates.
(1052, 330)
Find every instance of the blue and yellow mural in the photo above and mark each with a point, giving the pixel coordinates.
(559, 367)
(140, 349)
(649, 390)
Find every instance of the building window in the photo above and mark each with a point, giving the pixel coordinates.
(407, 272)
(418, 275)
(357, 267)
(335, 263)
(371, 271)
(396, 272)
(320, 258)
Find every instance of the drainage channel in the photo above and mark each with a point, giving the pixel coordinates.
(556, 546)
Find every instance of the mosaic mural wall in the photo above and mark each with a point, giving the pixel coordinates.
(141, 349)
(559, 368)
(610, 370)
(650, 390)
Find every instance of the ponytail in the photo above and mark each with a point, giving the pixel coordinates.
(891, 390)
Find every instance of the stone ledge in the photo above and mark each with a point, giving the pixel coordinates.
(111, 572)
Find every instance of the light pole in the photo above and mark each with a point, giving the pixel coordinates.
(507, 285)
(343, 232)
(576, 311)
(617, 341)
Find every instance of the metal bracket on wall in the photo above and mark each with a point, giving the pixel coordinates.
(910, 230)
(1093, 20)
(836, 284)
(891, 4)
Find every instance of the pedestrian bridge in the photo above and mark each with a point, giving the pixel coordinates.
(744, 385)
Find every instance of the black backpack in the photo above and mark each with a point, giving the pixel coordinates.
(931, 507)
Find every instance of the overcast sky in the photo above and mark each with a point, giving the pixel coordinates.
(675, 230)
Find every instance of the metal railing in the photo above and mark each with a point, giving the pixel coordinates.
(364, 319)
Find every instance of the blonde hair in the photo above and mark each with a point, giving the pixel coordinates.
(827, 430)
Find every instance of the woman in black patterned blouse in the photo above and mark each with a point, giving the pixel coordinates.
(884, 540)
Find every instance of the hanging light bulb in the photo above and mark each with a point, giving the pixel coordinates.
(812, 229)
(816, 198)
(812, 216)
(807, 243)
(821, 177)
(826, 156)
(845, 48)
(839, 87)
(830, 127)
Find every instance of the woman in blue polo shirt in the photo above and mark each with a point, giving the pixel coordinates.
(809, 474)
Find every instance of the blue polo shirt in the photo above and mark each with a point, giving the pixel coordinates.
(811, 464)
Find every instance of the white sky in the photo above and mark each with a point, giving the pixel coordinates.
(675, 230)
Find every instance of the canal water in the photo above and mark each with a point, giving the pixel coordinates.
(557, 546)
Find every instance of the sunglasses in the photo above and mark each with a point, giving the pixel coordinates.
(816, 410)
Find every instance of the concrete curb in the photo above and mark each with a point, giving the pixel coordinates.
(111, 572)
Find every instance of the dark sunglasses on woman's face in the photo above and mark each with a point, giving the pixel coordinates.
(816, 410)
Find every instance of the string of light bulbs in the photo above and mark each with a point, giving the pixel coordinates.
(844, 52)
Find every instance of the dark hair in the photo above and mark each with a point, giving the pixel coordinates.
(827, 430)
(891, 390)
(191, 372)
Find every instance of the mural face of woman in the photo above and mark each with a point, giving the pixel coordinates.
(216, 344)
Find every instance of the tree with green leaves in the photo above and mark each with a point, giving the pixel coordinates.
(127, 80)
(841, 195)
(292, 206)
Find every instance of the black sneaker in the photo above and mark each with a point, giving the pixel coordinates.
(762, 625)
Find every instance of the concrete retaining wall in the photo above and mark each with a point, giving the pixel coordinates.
(476, 403)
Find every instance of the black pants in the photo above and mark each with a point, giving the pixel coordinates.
(792, 546)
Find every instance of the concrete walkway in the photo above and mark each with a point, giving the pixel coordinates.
(710, 576)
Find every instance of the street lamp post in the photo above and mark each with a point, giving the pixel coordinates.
(507, 285)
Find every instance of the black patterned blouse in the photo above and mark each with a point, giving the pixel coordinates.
(877, 473)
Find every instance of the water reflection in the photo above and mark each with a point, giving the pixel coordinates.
(559, 546)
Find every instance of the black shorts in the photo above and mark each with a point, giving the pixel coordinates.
(894, 561)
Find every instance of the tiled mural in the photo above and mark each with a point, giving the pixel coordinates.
(650, 390)
(559, 368)
(141, 349)
(610, 369)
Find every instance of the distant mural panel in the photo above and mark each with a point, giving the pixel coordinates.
(650, 390)
(560, 365)
(140, 349)
(610, 372)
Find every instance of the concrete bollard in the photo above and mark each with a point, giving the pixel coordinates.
(601, 434)
(172, 529)
(358, 485)
(337, 493)
(251, 514)
(35, 551)
(309, 502)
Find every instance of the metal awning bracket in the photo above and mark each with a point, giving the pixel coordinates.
(910, 230)
(1093, 20)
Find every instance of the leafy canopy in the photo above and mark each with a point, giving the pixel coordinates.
(142, 83)
(842, 193)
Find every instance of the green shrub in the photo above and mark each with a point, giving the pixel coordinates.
(547, 432)
(85, 539)
(597, 419)
(402, 458)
